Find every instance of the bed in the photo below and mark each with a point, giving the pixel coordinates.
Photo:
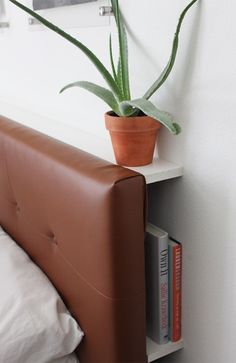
(81, 220)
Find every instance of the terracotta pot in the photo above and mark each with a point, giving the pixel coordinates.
(133, 138)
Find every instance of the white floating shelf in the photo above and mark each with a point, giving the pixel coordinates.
(159, 170)
(100, 146)
(155, 351)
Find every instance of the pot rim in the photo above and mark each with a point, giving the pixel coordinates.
(132, 124)
(153, 130)
(114, 115)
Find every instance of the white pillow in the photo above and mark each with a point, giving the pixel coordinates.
(35, 326)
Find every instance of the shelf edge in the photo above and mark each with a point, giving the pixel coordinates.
(165, 175)
(155, 351)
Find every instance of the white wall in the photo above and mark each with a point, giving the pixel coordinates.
(199, 209)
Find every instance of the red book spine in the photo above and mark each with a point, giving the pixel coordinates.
(177, 292)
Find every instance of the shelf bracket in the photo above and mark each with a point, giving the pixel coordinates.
(105, 10)
(33, 21)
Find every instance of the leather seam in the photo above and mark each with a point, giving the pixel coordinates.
(142, 291)
(81, 276)
(10, 187)
(130, 177)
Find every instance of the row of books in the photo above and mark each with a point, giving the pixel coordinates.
(163, 261)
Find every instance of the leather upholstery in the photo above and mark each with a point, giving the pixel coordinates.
(81, 219)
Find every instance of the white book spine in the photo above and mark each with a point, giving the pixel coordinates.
(156, 256)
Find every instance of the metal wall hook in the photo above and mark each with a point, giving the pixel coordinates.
(33, 21)
(105, 10)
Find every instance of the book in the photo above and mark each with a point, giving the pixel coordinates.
(156, 265)
(175, 289)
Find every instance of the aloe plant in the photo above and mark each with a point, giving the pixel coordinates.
(118, 95)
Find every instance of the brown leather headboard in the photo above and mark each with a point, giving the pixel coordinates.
(81, 219)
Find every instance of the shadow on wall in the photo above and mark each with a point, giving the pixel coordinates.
(189, 61)
(173, 93)
(177, 95)
(192, 211)
(171, 358)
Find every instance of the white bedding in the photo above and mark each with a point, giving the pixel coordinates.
(35, 326)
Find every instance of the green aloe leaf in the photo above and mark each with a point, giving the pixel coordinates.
(119, 78)
(112, 59)
(103, 93)
(123, 67)
(98, 64)
(164, 75)
(150, 110)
